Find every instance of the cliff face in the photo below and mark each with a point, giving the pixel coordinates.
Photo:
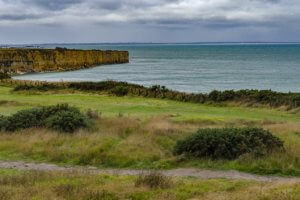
(18, 61)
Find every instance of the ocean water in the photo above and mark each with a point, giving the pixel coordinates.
(194, 67)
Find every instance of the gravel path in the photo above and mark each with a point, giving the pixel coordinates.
(183, 172)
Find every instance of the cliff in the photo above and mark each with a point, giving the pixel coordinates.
(18, 61)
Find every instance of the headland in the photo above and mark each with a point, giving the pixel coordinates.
(21, 60)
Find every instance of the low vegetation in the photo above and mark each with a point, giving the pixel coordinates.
(60, 117)
(154, 180)
(126, 142)
(4, 76)
(119, 91)
(228, 143)
(136, 132)
(16, 185)
(266, 97)
(39, 87)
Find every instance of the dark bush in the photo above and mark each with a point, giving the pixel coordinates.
(3, 122)
(24, 87)
(41, 87)
(101, 86)
(270, 97)
(67, 121)
(119, 91)
(24, 119)
(70, 119)
(48, 111)
(4, 76)
(228, 143)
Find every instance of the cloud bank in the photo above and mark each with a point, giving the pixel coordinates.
(144, 20)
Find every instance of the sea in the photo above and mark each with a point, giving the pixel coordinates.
(196, 67)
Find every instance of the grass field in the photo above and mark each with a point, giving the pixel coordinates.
(18, 185)
(138, 106)
(136, 132)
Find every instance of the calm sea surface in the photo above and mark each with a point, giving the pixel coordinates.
(195, 67)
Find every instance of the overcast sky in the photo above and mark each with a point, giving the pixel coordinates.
(63, 21)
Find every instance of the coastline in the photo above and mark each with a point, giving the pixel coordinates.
(21, 60)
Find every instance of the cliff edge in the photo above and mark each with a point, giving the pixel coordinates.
(19, 61)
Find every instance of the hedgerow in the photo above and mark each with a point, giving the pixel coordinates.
(267, 97)
(42, 87)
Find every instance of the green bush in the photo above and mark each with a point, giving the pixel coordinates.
(228, 143)
(42, 87)
(67, 121)
(48, 111)
(3, 122)
(4, 76)
(119, 91)
(24, 119)
(70, 119)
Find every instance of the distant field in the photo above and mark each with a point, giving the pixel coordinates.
(136, 132)
(141, 107)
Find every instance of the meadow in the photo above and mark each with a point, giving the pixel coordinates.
(138, 132)
(18, 185)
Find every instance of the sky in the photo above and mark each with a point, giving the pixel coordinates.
(93, 21)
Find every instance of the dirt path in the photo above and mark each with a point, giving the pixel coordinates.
(183, 172)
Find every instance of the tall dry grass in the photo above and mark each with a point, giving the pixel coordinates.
(143, 143)
(74, 185)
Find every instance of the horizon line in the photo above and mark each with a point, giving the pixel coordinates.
(111, 43)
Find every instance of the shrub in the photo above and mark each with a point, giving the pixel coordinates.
(154, 180)
(67, 121)
(3, 122)
(24, 119)
(228, 143)
(48, 111)
(4, 76)
(120, 91)
(101, 86)
(70, 119)
(41, 87)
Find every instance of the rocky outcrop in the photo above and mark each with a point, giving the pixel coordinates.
(19, 61)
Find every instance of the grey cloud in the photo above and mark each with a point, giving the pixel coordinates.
(44, 4)
(172, 15)
(17, 17)
(128, 4)
(107, 4)
(159, 11)
(52, 4)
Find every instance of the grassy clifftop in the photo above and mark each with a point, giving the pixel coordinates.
(137, 132)
(16, 61)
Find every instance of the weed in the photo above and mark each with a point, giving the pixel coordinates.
(154, 180)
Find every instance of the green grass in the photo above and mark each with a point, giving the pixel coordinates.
(142, 107)
(144, 135)
(59, 185)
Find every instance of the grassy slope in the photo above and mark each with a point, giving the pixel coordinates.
(144, 139)
(41, 185)
(137, 106)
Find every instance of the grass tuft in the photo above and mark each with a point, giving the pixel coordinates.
(154, 180)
